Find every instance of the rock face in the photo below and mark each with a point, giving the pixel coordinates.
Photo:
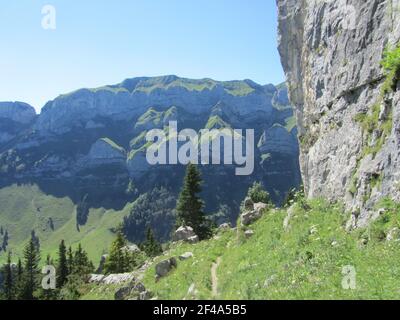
(15, 117)
(331, 52)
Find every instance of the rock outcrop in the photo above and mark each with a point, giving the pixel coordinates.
(15, 117)
(252, 212)
(185, 234)
(331, 52)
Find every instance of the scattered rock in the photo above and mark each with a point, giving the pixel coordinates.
(225, 226)
(269, 281)
(248, 204)
(252, 215)
(122, 293)
(249, 233)
(193, 240)
(381, 211)
(363, 242)
(249, 217)
(186, 256)
(286, 221)
(185, 234)
(118, 278)
(393, 234)
(131, 248)
(165, 266)
(260, 206)
(313, 230)
(192, 292)
(96, 278)
(133, 291)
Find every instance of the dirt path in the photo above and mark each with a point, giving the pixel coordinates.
(214, 278)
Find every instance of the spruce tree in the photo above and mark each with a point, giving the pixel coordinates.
(62, 265)
(190, 206)
(81, 264)
(9, 288)
(30, 278)
(118, 260)
(151, 246)
(70, 260)
(19, 279)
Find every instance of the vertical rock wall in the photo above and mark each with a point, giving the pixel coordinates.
(331, 52)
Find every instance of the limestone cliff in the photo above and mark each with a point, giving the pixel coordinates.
(331, 52)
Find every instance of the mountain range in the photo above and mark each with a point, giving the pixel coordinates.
(79, 167)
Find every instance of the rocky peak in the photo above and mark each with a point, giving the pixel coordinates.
(19, 112)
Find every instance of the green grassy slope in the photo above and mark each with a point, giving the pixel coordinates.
(33, 210)
(304, 262)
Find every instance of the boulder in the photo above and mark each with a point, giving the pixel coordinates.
(118, 278)
(252, 212)
(135, 290)
(122, 293)
(249, 217)
(193, 240)
(185, 234)
(186, 256)
(165, 266)
(393, 234)
(260, 206)
(225, 226)
(132, 248)
(249, 233)
(248, 204)
(96, 278)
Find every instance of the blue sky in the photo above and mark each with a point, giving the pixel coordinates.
(100, 42)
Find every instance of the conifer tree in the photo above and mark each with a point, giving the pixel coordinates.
(9, 288)
(62, 265)
(118, 260)
(81, 264)
(30, 277)
(151, 246)
(18, 279)
(70, 260)
(190, 206)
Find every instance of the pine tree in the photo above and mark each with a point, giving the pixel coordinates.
(190, 206)
(118, 260)
(30, 278)
(151, 246)
(18, 279)
(70, 261)
(62, 265)
(81, 264)
(9, 288)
